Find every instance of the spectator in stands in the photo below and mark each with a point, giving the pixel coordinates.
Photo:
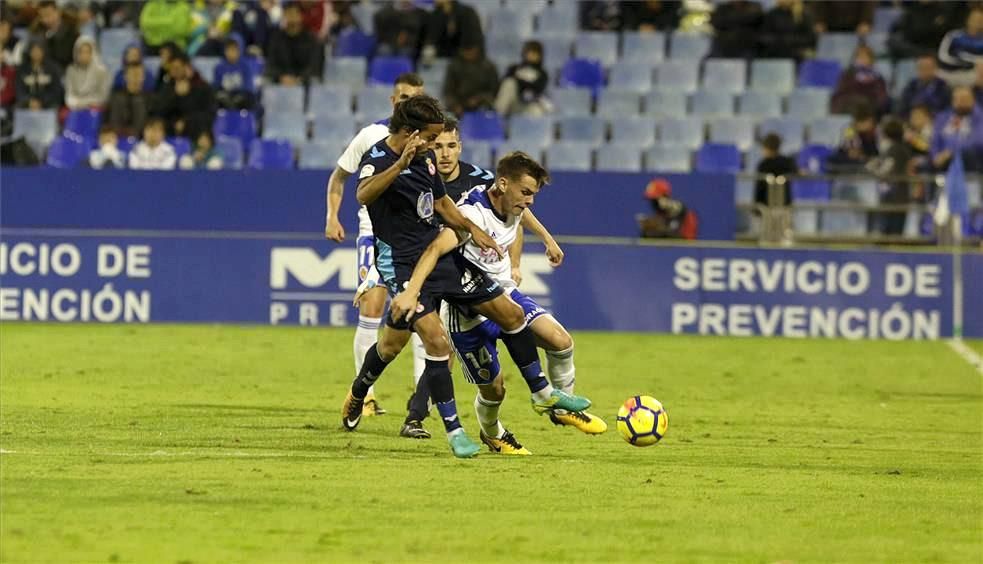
(107, 155)
(961, 49)
(205, 155)
(959, 129)
(121, 13)
(340, 18)
(261, 20)
(736, 24)
(163, 21)
(601, 15)
(669, 218)
(860, 84)
(524, 84)
(316, 17)
(153, 153)
(8, 82)
(87, 81)
(59, 37)
(450, 26)
(922, 26)
(129, 106)
(38, 80)
(471, 81)
(775, 163)
(893, 165)
(925, 89)
(787, 32)
(10, 45)
(188, 103)
(651, 15)
(978, 83)
(399, 29)
(81, 17)
(235, 85)
(918, 130)
(214, 21)
(291, 57)
(840, 16)
(167, 53)
(859, 143)
(133, 55)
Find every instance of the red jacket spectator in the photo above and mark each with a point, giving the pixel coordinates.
(861, 83)
(8, 84)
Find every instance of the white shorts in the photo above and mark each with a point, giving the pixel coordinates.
(365, 248)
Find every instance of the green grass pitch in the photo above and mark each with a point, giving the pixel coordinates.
(220, 444)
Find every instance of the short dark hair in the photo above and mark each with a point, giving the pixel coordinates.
(772, 142)
(232, 42)
(893, 129)
(533, 45)
(451, 124)
(416, 114)
(182, 57)
(155, 121)
(516, 164)
(409, 79)
(922, 107)
(47, 4)
(106, 128)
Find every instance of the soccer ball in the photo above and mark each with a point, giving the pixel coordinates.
(642, 421)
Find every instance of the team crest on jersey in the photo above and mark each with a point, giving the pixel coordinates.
(367, 171)
(424, 205)
(430, 167)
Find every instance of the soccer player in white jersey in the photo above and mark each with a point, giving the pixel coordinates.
(371, 303)
(500, 210)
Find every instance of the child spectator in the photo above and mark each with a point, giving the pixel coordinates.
(235, 85)
(87, 80)
(38, 81)
(775, 163)
(108, 154)
(133, 55)
(153, 153)
(894, 164)
(129, 107)
(859, 143)
(205, 155)
(918, 133)
(524, 84)
(860, 84)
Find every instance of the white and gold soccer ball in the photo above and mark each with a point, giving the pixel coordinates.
(642, 421)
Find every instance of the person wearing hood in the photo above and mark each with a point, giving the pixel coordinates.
(38, 80)
(861, 83)
(187, 103)
(133, 55)
(87, 79)
(235, 85)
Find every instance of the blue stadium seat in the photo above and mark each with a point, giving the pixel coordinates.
(352, 42)
(668, 158)
(878, 43)
(330, 99)
(206, 67)
(531, 131)
(271, 154)
(760, 104)
(805, 222)
(752, 157)
(619, 158)
(718, 158)
(886, 68)
(682, 131)
(558, 19)
(670, 103)
(628, 76)
(384, 70)
(239, 124)
(477, 152)
(844, 223)
(636, 131)
(374, 103)
(582, 73)
(601, 46)
(556, 52)
(482, 126)
(285, 125)
(66, 152)
(689, 46)
(812, 160)
(85, 125)
(904, 71)
(126, 144)
(364, 13)
(319, 154)
(737, 131)
(339, 128)
(582, 129)
(643, 49)
(231, 150)
(434, 73)
(616, 103)
(884, 18)
(569, 155)
(346, 70)
(837, 47)
(776, 75)
(38, 127)
(506, 48)
(113, 41)
(509, 23)
(527, 8)
(828, 130)
(790, 129)
(283, 99)
(726, 75)
(182, 146)
(677, 75)
(571, 101)
(819, 73)
(510, 146)
(712, 103)
(808, 103)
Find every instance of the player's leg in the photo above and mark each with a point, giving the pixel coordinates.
(370, 307)
(418, 404)
(377, 358)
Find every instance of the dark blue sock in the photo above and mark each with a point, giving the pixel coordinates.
(371, 370)
(522, 349)
(438, 374)
(419, 407)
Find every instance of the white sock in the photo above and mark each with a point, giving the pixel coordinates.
(487, 411)
(544, 394)
(419, 357)
(366, 335)
(559, 366)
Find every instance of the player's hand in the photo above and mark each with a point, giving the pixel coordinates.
(409, 151)
(554, 253)
(364, 287)
(517, 275)
(334, 231)
(403, 306)
(485, 242)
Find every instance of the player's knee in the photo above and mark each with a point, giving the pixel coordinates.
(513, 318)
(435, 343)
(391, 343)
(562, 341)
(494, 391)
(373, 303)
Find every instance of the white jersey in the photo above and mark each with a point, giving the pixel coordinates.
(478, 208)
(352, 157)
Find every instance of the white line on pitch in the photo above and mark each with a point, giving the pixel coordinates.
(968, 354)
(165, 454)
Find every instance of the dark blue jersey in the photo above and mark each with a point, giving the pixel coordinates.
(471, 177)
(403, 216)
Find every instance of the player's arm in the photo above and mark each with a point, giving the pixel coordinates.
(553, 251)
(369, 189)
(515, 255)
(336, 187)
(452, 216)
(404, 304)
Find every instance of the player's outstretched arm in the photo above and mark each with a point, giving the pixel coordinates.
(453, 217)
(404, 304)
(553, 251)
(336, 187)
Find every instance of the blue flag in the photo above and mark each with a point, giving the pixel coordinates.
(955, 186)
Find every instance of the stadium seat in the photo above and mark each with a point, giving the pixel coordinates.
(886, 68)
(531, 130)
(619, 158)
(434, 73)
(628, 76)
(353, 42)
(812, 160)
(206, 67)
(84, 124)
(904, 71)
(615, 103)
(819, 73)
(283, 99)
(569, 155)
(113, 41)
(884, 18)
(668, 158)
(808, 103)
(271, 154)
(509, 23)
(582, 73)
(636, 131)
(878, 43)
(346, 70)
(671, 103)
(477, 152)
(712, 103)
(482, 126)
(584, 129)
(330, 99)
(744, 191)
(689, 46)
(682, 131)
(126, 144)
(828, 130)
(364, 13)
(558, 20)
(319, 154)
(718, 158)
(384, 70)
(642, 48)
(506, 48)
(844, 223)
(38, 127)
(182, 146)
(805, 222)
(374, 103)
(556, 52)
(682, 76)
(239, 124)
(528, 8)
(510, 146)
(760, 104)
(330, 127)
(789, 129)
(285, 125)
(601, 46)
(67, 152)
(776, 75)
(571, 101)
(726, 75)
(751, 159)
(231, 150)
(737, 131)
(837, 47)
